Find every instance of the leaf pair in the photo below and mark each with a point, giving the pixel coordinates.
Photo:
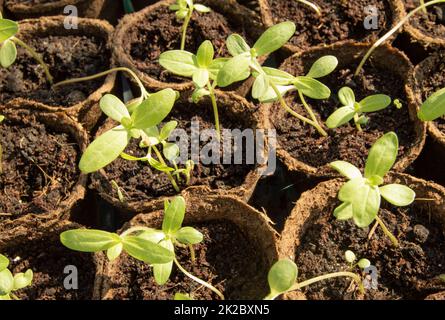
(184, 7)
(8, 50)
(10, 282)
(361, 196)
(433, 107)
(352, 109)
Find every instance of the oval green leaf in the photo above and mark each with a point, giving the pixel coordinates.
(323, 66)
(397, 194)
(374, 103)
(113, 107)
(274, 38)
(8, 29)
(433, 107)
(236, 45)
(146, 251)
(282, 276)
(340, 116)
(382, 155)
(189, 235)
(346, 169)
(89, 240)
(162, 271)
(205, 54)
(312, 88)
(154, 109)
(234, 70)
(174, 212)
(179, 62)
(8, 53)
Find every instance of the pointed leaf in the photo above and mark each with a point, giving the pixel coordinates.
(347, 96)
(154, 109)
(179, 62)
(167, 129)
(340, 116)
(205, 54)
(312, 88)
(382, 155)
(397, 194)
(365, 205)
(271, 96)
(170, 151)
(201, 8)
(8, 29)
(274, 38)
(237, 45)
(162, 271)
(323, 66)
(234, 70)
(146, 251)
(173, 215)
(346, 169)
(374, 103)
(89, 240)
(433, 107)
(113, 107)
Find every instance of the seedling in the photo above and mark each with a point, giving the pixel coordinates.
(283, 275)
(271, 84)
(155, 247)
(9, 282)
(433, 107)
(361, 196)
(1, 148)
(184, 10)
(8, 49)
(423, 6)
(182, 296)
(352, 109)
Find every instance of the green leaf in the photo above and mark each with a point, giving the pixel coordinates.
(162, 271)
(364, 263)
(22, 280)
(365, 205)
(170, 151)
(179, 62)
(282, 276)
(205, 54)
(167, 129)
(5, 297)
(397, 194)
(216, 66)
(340, 116)
(104, 150)
(346, 169)
(182, 296)
(433, 107)
(274, 38)
(347, 191)
(89, 240)
(260, 86)
(174, 212)
(6, 282)
(189, 235)
(312, 88)
(4, 262)
(146, 251)
(271, 96)
(154, 109)
(382, 155)
(237, 45)
(278, 77)
(234, 70)
(343, 211)
(323, 66)
(8, 29)
(113, 107)
(152, 235)
(347, 96)
(350, 256)
(8, 54)
(129, 157)
(201, 8)
(151, 136)
(159, 166)
(374, 103)
(201, 77)
(114, 251)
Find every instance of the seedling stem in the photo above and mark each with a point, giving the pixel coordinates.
(215, 110)
(170, 177)
(388, 233)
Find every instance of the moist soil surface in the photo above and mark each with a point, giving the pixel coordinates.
(47, 257)
(28, 2)
(67, 57)
(39, 167)
(225, 258)
(346, 143)
(432, 23)
(339, 20)
(407, 272)
(161, 32)
(139, 181)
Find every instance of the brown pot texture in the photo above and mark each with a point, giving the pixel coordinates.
(87, 111)
(394, 8)
(36, 245)
(232, 108)
(314, 212)
(64, 202)
(206, 211)
(336, 145)
(20, 10)
(127, 30)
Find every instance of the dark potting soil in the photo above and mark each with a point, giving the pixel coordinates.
(161, 32)
(139, 181)
(225, 258)
(67, 57)
(39, 167)
(407, 272)
(339, 20)
(346, 143)
(47, 257)
(28, 2)
(432, 23)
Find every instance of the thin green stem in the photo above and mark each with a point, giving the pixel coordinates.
(185, 26)
(196, 279)
(357, 125)
(36, 56)
(309, 110)
(215, 110)
(387, 35)
(422, 3)
(192, 253)
(386, 231)
(170, 177)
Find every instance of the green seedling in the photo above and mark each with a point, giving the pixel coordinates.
(1, 148)
(155, 247)
(182, 296)
(361, 195)
(351, 258)
(283, 276)
(184, 10)
(271, 84)
(203, 68)
(423, 6)
(433, 107)
(351, 109)
(8, 49)
(9, 282)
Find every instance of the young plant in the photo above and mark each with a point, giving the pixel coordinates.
(8, 49)
(433, 107)
(361, 195)
(184, 10)
(283, 275)
(351, 109)
(9, 282)
(155, 247)
(271, 84)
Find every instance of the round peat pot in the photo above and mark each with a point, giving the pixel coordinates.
(238, 249)
(339, 20)
(23, 9)
(37, 246)
(40, 179)
(317, 242)
(303, 149)
(69, 53)
(141, 37)
(144, 188)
